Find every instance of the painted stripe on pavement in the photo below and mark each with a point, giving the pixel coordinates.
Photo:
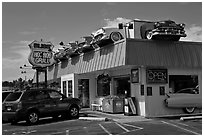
(122, 127)
(105, 129)
(180, 127)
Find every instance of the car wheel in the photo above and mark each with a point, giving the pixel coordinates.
(14, 122)
(55, 117)
(32, 118)
(176, 38)
(115, 36)
(74, 112)
(189, 110)
(148, 35)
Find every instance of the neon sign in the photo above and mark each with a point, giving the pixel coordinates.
(157, 76)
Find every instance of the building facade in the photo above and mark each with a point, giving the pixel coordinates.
(144, 69)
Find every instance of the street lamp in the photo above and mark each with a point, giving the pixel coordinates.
(23, 72)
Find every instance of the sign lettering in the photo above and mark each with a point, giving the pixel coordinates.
(157, 76)
(41, 54)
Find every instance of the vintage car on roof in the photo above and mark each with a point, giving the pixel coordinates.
(188, 99)
(60, 54)
(84, 44)
(163, 30)
(106, 35)
(72, 49)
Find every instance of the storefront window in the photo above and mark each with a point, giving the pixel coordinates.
(122, 85)
(64, 87)
(70, 88)
(103, 85)
(178, 82)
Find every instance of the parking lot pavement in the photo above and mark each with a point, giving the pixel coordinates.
(121, 118)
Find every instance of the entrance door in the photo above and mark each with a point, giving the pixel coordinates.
(122, 85)
(83, 88)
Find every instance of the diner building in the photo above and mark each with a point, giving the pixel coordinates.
(144, 69)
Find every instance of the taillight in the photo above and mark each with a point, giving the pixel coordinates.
(166, 102)
(19, 105)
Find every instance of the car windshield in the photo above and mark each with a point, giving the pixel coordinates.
(13, 96)
(188, 91)
(5, 94)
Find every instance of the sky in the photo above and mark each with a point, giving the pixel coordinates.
(24, 22)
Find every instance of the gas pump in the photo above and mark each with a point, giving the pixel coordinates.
(129, 105)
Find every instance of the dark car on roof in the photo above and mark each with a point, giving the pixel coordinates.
(32, 104)
(163, 30)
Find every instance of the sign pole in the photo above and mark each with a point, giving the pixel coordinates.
(45, 77)
(37, 77)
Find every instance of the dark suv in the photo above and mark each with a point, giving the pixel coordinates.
(32, 104)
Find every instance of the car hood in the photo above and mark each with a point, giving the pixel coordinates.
(180, 94)
(106, 30)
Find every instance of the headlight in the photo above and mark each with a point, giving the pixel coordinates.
(156, 24)
(182, 25)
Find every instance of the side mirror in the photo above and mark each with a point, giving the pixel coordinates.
(130, 26)
(120, 26)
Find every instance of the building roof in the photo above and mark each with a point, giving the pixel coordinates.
(133, 52)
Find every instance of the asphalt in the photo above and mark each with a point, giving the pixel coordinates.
(88, 114)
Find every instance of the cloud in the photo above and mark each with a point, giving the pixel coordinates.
(114, 22)
(194, 33)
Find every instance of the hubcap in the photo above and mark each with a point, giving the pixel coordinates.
(115, 36)
(149, 35)
(190, 109)
(74, 112)
(33, 117)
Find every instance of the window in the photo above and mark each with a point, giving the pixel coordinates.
(103, 85)
(64, 87)
(122, 85)
(162, 90)
(41, 95)
(149, 91)
(142, 90)
(179, 82)
(70, 88)
(54, 94)
(14, 96)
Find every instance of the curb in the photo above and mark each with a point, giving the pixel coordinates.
(190, 118)
(94, 118)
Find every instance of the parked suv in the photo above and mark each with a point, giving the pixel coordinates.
(32, 104)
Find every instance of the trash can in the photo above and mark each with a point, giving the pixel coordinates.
(112, 104)
(129, 106)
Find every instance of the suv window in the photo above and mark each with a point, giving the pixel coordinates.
(54, 94)
(14, 96)
(42, 95)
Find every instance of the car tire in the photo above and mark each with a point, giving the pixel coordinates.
(14, 122)
(115, 36)
(148, 35)
(189, 110)
(176, 38)
(73, 112)
(32, 118)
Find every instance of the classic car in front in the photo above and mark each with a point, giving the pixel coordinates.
(188, 99)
